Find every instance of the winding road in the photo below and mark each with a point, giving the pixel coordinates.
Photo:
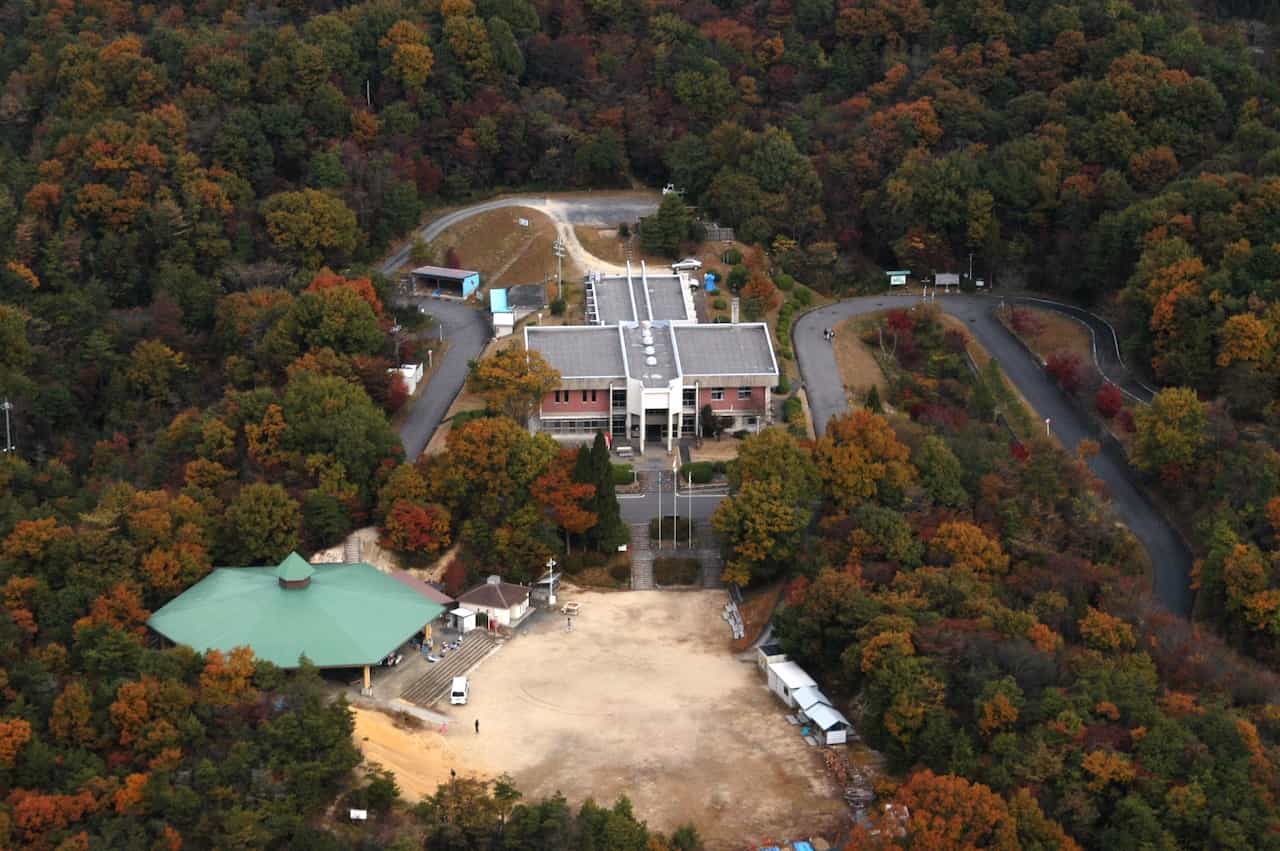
(468, 331)
(1171, 562)
(466, 328)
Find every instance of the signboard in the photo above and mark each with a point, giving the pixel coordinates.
(898, 278)
(524, 223)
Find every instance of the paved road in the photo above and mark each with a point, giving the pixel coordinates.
(1106, 345)
(1169, 557)
(467, 328)
(642, 509)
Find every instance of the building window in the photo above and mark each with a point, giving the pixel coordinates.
(584, 395)
(690, 397)
(751, 421)
(593, 395)
(744, 393)
(717, 394)
(557, 397)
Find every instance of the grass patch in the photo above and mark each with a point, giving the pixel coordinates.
(670, 570)
(461, 418)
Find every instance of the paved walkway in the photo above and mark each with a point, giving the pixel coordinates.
(641, 557)
(1170, 559)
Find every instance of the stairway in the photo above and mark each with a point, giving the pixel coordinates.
(709, 555)
(641, 558)
(351, 549)
(434, 685)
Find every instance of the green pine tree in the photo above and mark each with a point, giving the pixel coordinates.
(594, 466)
(872, 402)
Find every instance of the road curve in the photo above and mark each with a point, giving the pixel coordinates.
(1170, 559)
(466, 328)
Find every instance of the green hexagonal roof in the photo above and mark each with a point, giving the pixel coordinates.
(347, 615)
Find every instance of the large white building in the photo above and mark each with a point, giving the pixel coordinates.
(643, 368)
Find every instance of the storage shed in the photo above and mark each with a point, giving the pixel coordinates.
(785, 678)
(809, 696)
(441, 280)
(833, 726)
(463, 620)
(767, 653)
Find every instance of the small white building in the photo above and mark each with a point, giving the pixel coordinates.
(808, 697)
(768, 653)
(833, 726)
(463, 620)
(410, 374)
(785, 678)
(501, 602)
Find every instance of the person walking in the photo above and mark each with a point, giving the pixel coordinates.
(477, 726)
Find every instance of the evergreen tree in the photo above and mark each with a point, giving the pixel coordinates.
(872, 402)
(593, 466)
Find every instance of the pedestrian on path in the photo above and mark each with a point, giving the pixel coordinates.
(477, 726)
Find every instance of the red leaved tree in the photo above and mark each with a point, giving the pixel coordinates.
(1108, 400)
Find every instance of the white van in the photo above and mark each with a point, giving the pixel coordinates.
(460, 691)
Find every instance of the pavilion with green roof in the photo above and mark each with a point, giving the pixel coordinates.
(337, 615)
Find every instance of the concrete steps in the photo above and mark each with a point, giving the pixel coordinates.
(641, 558)
(434, 684)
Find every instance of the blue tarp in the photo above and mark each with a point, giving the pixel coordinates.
(802, 846)
(709, 282)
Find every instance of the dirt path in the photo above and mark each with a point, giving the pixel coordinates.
(419, 758)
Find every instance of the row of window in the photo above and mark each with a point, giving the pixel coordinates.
(717, 394)
(562, 396)
(574, 426)
(690, 396)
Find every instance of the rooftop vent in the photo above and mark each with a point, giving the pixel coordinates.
(648, 350)
(651, 361)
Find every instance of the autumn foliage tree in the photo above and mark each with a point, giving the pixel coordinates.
(513, 381)
(421, 530)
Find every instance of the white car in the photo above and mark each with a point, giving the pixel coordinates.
(459, 691)
(688, 264)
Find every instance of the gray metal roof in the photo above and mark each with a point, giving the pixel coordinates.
(641, 295)
(579, 351)
(809, 696)
(791, 675)
(443, 272)
(658, 374)
(613, 300)
(531, 296)
(743, 349)
(825, 717)
(667, 298)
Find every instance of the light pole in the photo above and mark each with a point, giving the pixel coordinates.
(8, 433)
(1046, 427)
(689, 493)
(559, 250)
(551, 581)
(659, 509)
(675, 506)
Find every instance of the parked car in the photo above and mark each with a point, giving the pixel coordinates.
(688, 264)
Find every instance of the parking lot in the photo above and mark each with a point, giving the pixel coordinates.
(643, 698)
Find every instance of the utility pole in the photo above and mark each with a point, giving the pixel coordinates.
(689, 493)
(551, 586)
(970, 267)
(559, 250)
(675, 507)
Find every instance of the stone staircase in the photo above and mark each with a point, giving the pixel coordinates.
(434, 684)
(641, 558)
(351, 549)
(708, 555)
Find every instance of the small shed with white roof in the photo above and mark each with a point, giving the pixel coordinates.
(786, 678)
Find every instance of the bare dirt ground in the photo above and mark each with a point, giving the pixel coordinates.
(419, 758)
(858, 367)
(498, 246)
(642, 698)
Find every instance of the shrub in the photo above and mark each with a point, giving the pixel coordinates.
(558, 307)
(701, 471)
(1108, 400)
(803, 295)
(671, 570)
(624, 230)
(783, 281)
(681, 530)
(1025, 323)
(720, 304)
(463, 417)
(737, 277)
(732, 257)
(742, 434)
(1064, 368)
(623, 474)
(620, 571)
(784, 385)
